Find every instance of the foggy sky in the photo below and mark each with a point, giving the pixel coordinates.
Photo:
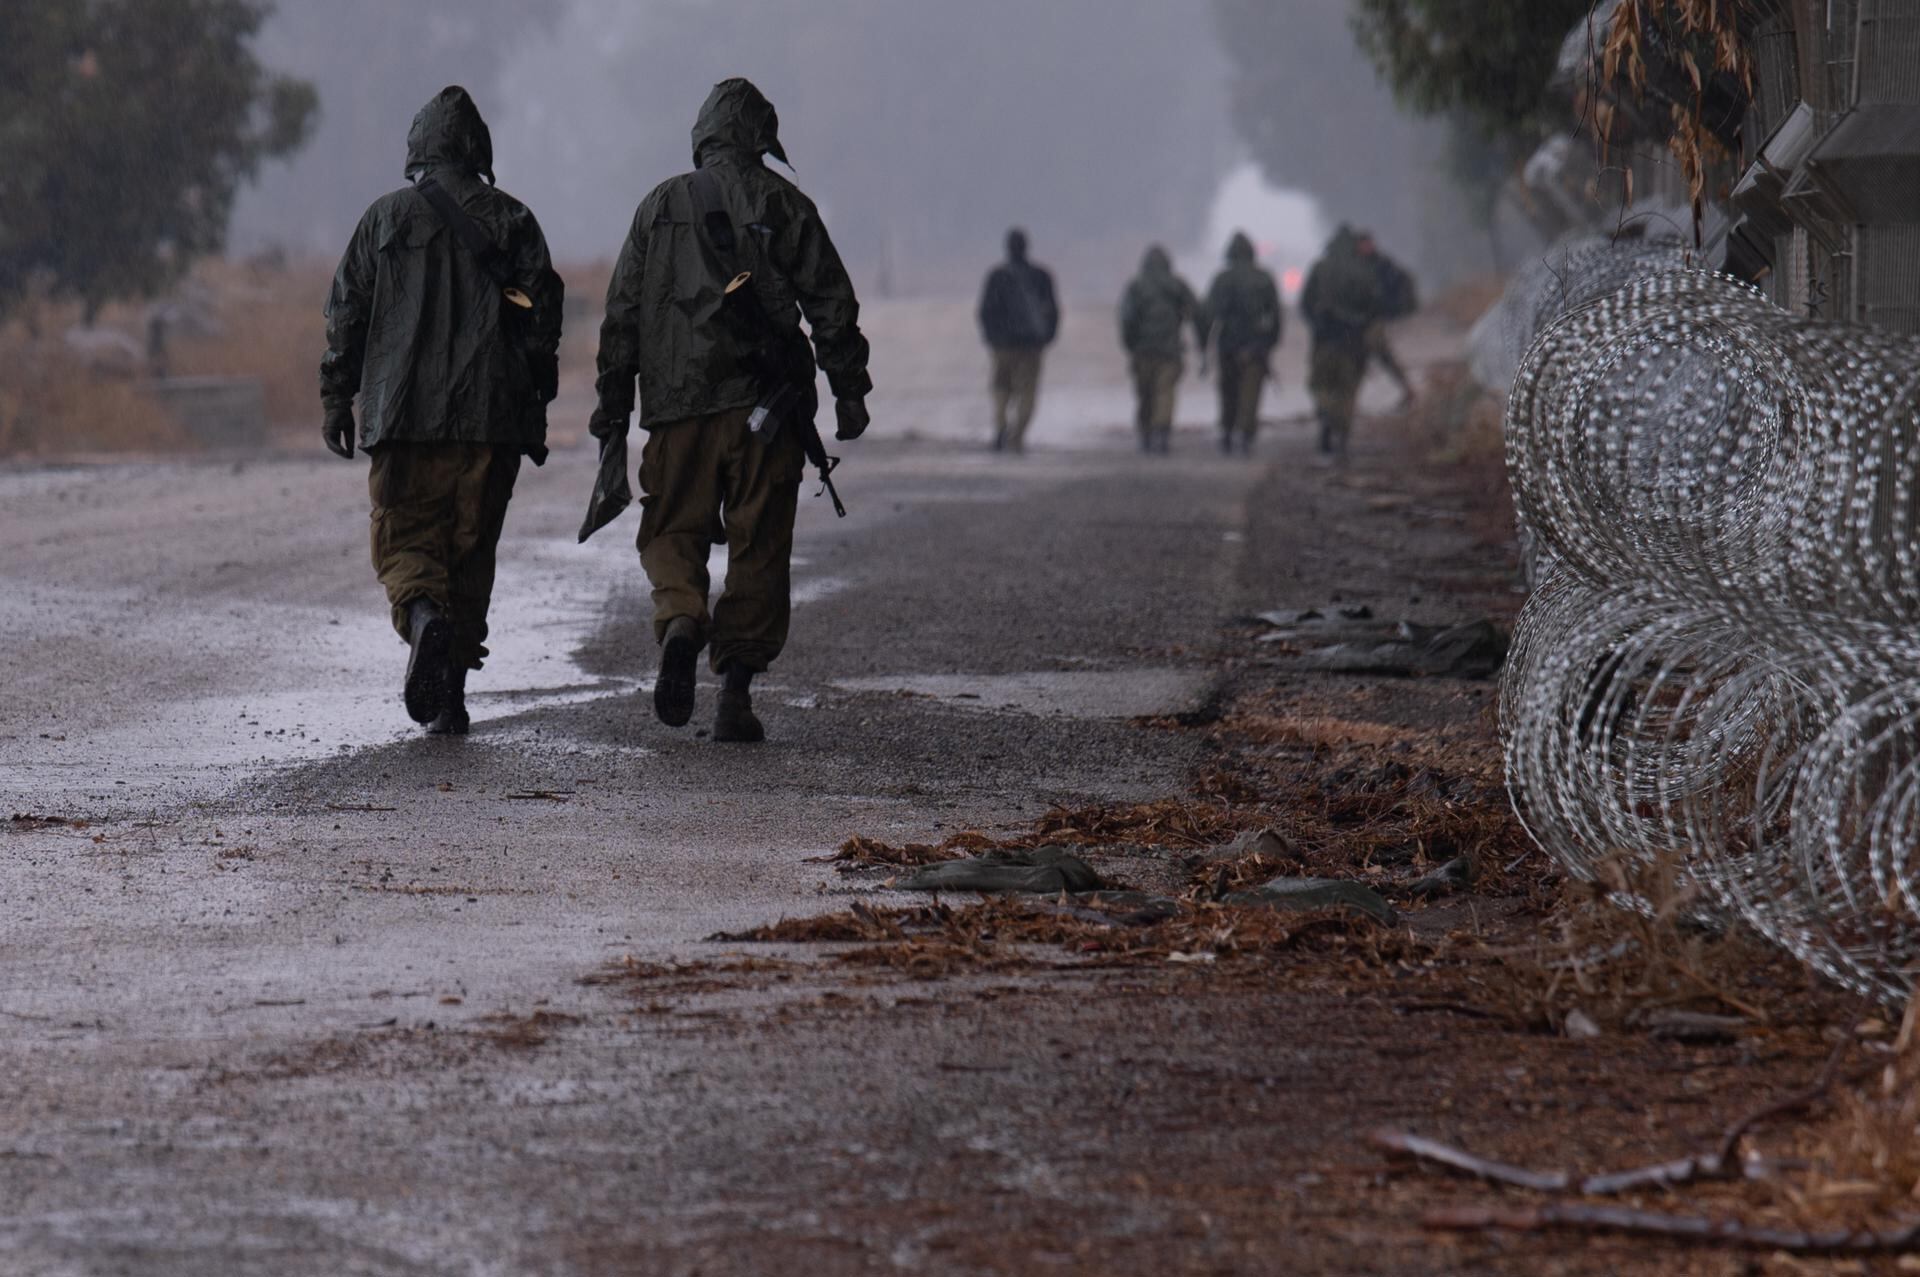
(923, 128)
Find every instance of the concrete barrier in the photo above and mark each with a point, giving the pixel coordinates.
(218, 412)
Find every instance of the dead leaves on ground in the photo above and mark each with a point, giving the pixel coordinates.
(931, 941)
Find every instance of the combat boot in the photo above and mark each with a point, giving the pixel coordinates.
(673, 685)
(453, 720)
(735, 720)
(432, 641)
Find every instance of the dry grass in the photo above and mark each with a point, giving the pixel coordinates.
(937, 940)
(862, 852)
(1176, 823)
(1627, 948)
(51, 404)
(263, 320)
(1465, 302)
(271, 327)
(524, 1032)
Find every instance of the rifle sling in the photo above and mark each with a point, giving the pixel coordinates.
(464, 229)
(713, 219)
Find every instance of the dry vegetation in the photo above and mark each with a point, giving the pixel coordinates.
(52, 405)
(260, 318)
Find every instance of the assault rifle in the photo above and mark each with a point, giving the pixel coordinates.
(772, 358)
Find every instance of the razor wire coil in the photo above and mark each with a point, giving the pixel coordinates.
(1720, 669)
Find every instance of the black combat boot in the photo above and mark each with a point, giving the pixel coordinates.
(432, 639)
(735, 720)
(453, 720)
(673, 685)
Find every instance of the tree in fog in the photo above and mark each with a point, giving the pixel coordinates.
(1487, 60)
(377, 62)
(126, 126)
(1317, 115)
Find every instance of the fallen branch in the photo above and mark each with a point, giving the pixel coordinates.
(1724, 1163)
(1574, 1217)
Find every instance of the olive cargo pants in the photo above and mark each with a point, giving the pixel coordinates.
(1016, 388)
(1156, 379)
(1242, 377)
(708, 480)
(437, 513)
(1333, 376)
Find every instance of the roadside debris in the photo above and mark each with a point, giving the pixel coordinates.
(1455, 875)
(1044, 870)
(524, 1032)
(1093, 928)
(1351, 641)
(1728, 1161)
(1306, 894)
(22, 821)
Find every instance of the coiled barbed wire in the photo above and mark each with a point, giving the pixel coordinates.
(1720, 670)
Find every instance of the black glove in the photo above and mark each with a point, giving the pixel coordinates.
(604, 426)
(536, 448)
(852, 415)
(338, 431)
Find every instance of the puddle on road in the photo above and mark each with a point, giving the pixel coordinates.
(1135, 693)
(332, 683)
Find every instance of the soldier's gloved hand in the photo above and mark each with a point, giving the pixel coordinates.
(338, 431)
(853, 418)
(604, 426)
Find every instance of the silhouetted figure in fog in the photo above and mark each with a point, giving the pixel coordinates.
(1341, 304)
(1155, 307)
(1019, 318)
(1242, 316)
(1397, 300)
(445, 321)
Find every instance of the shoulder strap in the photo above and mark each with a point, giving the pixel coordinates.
(710, 209)
(491, 259)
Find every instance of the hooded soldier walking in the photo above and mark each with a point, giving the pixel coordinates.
(704, 310)
(1398, 299)
(444, 319)
(1342, 304)
(1156, 305)
(1242, 315)
(1019, 318)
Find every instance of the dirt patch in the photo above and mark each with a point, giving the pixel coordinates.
(524, 1032)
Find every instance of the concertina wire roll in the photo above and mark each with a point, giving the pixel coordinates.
(1719, 670)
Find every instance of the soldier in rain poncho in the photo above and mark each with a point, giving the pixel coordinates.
(705, 358)
(448, 335)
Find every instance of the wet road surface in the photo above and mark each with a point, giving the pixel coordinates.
(288, 988)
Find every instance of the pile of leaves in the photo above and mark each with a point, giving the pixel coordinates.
(931, 941)
(1176, 823)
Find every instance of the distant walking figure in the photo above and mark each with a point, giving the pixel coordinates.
(1019, 319)
(1242, 314)
(1155, 307)
(1398, 299)
(1342, 304)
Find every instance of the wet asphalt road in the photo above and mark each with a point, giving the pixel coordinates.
(244, 998)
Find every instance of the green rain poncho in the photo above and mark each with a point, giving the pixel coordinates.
(663, 325)
(418, 330)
